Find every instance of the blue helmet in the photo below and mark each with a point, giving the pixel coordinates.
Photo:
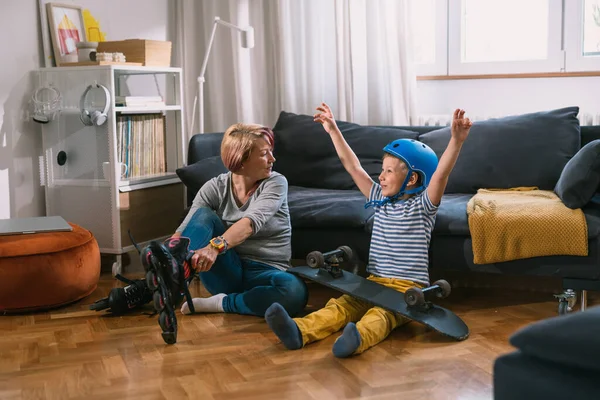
(418, 157)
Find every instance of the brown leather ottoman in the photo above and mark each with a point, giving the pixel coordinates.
(46, 270)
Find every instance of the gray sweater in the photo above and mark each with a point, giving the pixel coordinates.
(267, 208)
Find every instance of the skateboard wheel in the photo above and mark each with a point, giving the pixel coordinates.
(346, 252)
(315, 259)
(414, 297)
(445, 288)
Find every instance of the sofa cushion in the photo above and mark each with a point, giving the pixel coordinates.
(525, 150)
(580, 178)
(518, 376)
(572, 340)
(204, 145)
(323, 208)
(592, 218)
(197, 174)
(451, 218)
(306, 156)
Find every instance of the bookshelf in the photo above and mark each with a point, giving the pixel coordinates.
(144, 130)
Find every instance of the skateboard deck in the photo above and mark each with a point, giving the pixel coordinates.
(437, 318)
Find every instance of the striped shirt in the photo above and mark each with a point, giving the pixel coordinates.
(401, 236)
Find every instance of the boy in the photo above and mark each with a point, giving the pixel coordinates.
(406, 201)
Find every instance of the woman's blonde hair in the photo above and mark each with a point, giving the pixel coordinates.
(238, 141)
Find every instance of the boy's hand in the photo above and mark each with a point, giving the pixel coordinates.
(460, 125)
(325, 117)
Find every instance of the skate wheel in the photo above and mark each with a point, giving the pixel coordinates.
(165, 322)
(414, 297)
(145, 258)
(445, 288)
(315, 259)
(169, 333)
(151, 280)
(563, 307)
(159, 302)
(346, 252)
(169, 337)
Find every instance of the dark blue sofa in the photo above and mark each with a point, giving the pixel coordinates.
(328, 211)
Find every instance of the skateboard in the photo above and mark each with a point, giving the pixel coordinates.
(415, 304)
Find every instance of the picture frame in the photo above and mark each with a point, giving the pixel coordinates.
(67, 28)
(45, 31)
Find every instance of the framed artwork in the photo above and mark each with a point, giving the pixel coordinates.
(66, 30)
(45, 30)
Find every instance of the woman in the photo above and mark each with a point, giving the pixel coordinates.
(239, 228)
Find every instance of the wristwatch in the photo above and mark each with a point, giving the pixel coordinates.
(219, 243)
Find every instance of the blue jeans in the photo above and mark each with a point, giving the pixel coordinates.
(251, 287)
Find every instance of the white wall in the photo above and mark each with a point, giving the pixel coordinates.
(20, 139)
(497, 97)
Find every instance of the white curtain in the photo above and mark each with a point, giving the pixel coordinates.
(354, 55)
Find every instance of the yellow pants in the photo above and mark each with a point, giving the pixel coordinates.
(374, 323)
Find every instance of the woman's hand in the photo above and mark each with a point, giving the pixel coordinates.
(204, 258)
(325, 117)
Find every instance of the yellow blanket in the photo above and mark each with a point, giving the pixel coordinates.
(524, 222)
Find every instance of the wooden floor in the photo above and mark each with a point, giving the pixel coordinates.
(73, 353)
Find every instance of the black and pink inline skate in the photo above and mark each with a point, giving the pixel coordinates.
(168, 274)
(125, 299)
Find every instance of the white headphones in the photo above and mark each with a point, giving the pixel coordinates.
(95, 117)
(46, 104)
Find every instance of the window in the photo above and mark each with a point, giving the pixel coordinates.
(591, 28)
(430, 31)
(484, 37)
(424, 31)
(474, 37)
(582, 35)
(509, 36)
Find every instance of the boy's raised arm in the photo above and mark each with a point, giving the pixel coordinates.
(345, 153)
(439, 180)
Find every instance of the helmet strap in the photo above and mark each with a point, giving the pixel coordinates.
(395, 197)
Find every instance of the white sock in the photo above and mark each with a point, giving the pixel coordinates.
(205, 304)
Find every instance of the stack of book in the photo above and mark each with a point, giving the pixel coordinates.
(139, 101)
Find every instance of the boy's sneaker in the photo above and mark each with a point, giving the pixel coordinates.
(128, 298)
(168, 274)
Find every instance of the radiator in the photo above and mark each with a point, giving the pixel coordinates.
(585, 119)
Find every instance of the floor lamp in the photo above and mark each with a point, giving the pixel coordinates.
(247, 41)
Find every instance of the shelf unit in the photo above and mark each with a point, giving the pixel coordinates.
(149, 206)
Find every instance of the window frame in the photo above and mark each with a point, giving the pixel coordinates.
(573, 34)
(440, 66)
(553, 63)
